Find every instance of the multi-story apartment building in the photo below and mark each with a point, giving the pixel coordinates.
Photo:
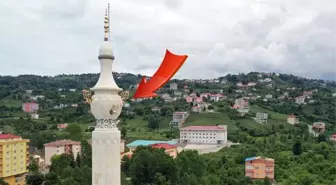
(14, 158)
(261, 117)
(259, 168)
(204, 134)
(30, 107)
(60, 147)
(293, 120)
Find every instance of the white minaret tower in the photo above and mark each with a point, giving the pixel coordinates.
(106, 105)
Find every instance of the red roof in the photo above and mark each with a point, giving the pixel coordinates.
(8, 136)
(61, 143)
(163, 145)
(203, 128)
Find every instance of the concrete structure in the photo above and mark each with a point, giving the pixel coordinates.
(30, 107)
(333, 137)
(261, 117)
(106, 105)
(14, 159)
(60, 147)
(204, 134)
(178, 119)
(242, 106)
(122, 145)
(173, 86)
(259, 168)
(293, 120)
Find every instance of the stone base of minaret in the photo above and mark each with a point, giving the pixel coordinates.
(106, 157)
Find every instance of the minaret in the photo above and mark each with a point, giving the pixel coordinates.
(106, 107)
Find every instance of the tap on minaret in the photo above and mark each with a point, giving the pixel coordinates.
(106, 107)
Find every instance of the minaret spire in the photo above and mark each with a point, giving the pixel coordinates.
(107, 24)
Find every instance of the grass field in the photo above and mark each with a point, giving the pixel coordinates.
(11, 103)
(211, 119)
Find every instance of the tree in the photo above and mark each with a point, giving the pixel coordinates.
(51, 178)
(123, 132)
(35, 179)
(297, 148)
(78, 160)
(74, 131)
(86, 153)
(3, 182)
(33, 167)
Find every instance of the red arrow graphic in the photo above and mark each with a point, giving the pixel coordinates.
(169, 66)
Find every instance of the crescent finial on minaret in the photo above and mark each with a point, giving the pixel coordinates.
(107, 23)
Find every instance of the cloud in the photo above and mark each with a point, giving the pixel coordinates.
(63, 36)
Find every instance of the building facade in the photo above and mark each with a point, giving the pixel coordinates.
(319, 127)
(178, 119)
(14, 158)
(30, 107)
(204, 134)
(293, 120)
(261, 117)
(259, 168)
(173, 86)
(60, 147)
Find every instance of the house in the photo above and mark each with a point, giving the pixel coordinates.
(241, 105)
(72, 90)
(170, 149)
(126, 105)
(261, 117)
(268, 96)
(30, 107)
(292, 119)
(307, 93)
(40, 162)
(300, 100)
(34, 116)
(29, 91)
(333, 137)
(319, 127)
(259, 168)
(60, 147)
(189, 99)
(196, 109)
(156, 109)
(37, 97)
(216, 97)
(62, 126)
(173, 86)
(133, 145)
(177, 93)
(63, 96)
(178, 119)
(204, 134)
(249, 84)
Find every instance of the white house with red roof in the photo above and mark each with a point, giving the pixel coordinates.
(204, 134)
(216, 97)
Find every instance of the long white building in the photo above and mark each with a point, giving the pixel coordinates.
(204, 134)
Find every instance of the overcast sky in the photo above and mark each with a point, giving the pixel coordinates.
(50, 37)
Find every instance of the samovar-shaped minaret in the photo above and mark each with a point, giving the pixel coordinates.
(106, 107)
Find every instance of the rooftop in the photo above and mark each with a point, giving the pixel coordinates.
(254, 158)
(8, 136)
(148, 142)
(61, 143)
(163, 145)
(203, 128)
